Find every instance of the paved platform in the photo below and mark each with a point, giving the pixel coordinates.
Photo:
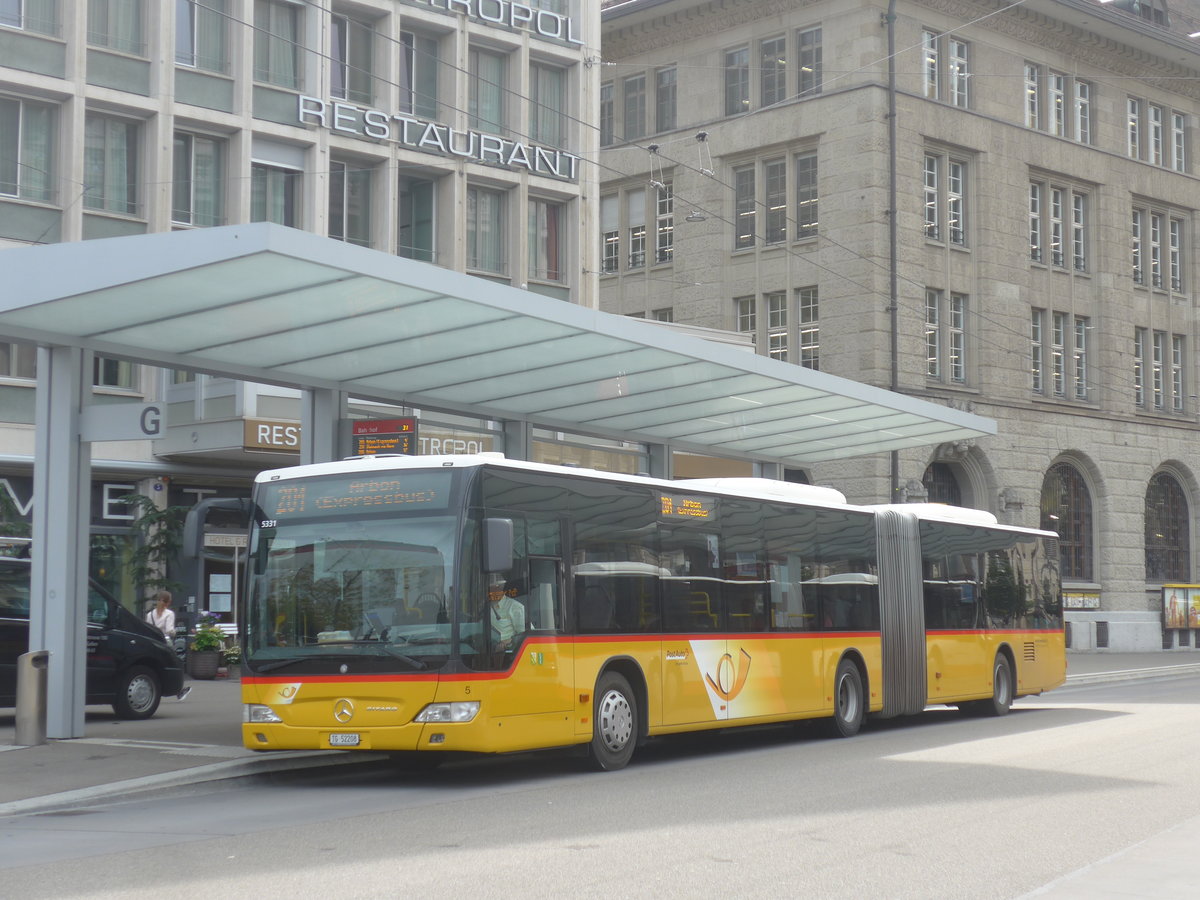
(199, 739)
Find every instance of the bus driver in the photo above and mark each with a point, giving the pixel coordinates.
(506, 613)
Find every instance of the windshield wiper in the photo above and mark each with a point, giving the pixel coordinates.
(309, 657)
(391, 651)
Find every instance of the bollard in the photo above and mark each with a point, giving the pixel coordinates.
(31, 698)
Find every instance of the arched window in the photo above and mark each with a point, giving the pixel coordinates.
(1067, 509)
(940, 484)
(1168, 538)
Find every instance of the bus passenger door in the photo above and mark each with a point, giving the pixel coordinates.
(543, 667)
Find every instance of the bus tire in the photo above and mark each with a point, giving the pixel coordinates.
(1002, 688)
(849, 702)
(614, 723)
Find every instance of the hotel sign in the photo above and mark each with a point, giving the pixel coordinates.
(541, 22)
(434, 137)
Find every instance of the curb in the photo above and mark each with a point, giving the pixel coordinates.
(219, 771)
(1133, 674)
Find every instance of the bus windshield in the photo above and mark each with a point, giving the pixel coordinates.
(335, 582)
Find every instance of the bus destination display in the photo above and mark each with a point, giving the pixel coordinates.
(329, 496)
(694, 508)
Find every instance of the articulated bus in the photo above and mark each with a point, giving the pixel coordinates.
(638, 607)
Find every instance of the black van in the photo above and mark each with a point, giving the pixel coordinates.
(129, 664)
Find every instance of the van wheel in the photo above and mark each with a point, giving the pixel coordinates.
(138, 693)
(614, 723)
(849, 707)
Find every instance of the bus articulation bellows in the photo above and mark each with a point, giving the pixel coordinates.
(642, 607)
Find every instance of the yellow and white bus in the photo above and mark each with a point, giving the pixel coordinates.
(633, 607)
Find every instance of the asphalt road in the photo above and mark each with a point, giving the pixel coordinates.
(936, 807)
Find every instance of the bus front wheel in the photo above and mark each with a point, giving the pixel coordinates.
(849, 706)
(614, 723)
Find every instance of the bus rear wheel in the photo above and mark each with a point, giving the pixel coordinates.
(614, 723)
(849, 706)
(1002, 688)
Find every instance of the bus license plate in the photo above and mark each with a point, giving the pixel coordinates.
(343, 740)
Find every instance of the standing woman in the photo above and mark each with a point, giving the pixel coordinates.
(162, 616)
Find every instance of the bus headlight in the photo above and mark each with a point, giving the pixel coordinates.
(459, 711)
(257, 713)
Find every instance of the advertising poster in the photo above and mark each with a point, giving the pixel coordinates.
(1181, 605)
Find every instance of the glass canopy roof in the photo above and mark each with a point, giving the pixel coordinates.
(281, 306)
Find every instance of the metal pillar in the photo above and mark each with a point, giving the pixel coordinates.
(661, 461)
(517, 440)
(61, 512)
(322, 411)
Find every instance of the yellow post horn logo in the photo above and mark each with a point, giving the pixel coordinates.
(721, 684)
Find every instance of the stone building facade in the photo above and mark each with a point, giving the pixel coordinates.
(1039, 268)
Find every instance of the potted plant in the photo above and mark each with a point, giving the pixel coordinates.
(206, 647)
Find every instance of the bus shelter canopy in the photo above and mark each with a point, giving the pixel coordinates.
(280, 306)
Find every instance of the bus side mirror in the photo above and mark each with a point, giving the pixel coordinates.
(497, 545)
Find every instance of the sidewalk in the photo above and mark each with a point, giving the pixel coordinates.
(199, 739)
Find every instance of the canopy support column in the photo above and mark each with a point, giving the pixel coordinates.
(321, 413)
(61, 520)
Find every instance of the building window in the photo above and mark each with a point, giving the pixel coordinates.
(664, 99)
(1053, 211)
(810, 327)
(634, 89)
(1033, 96)
(777, 325)
(610, 234)
(946, 68)
(635, 217)
(806, 195)
(775, 200)
(17, 360)
(1177, 404)
(274, 195)
(198, 190)
(945, 335)
(1139, 367)
(1067, 510)
(1035, 222)
(350, 65)
(29, 15)
(114, 373)
(1168, 533)
(486, 249)
(744, 208)
(1178, 142)
(1058, 353)
(607, 127)
(1157, 373)
(940, 484)
(110, 165)
(664, 226)
(1155, 141)
(745, 317)
(737, 81)
(547, 105)
(488, 81)
(945, 199)
(808, 60)
(663, 315)
(1157, 241)
(277, 43)
(415, 220)
(772, 70)
(418, 74)
(27, 141)
(1037, 324)
(201, 34)
(1079, 232)
(545, 240)
(117, 25)
(1047, 95)
(1079, 370)
(1133, 126)
(350, 203)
